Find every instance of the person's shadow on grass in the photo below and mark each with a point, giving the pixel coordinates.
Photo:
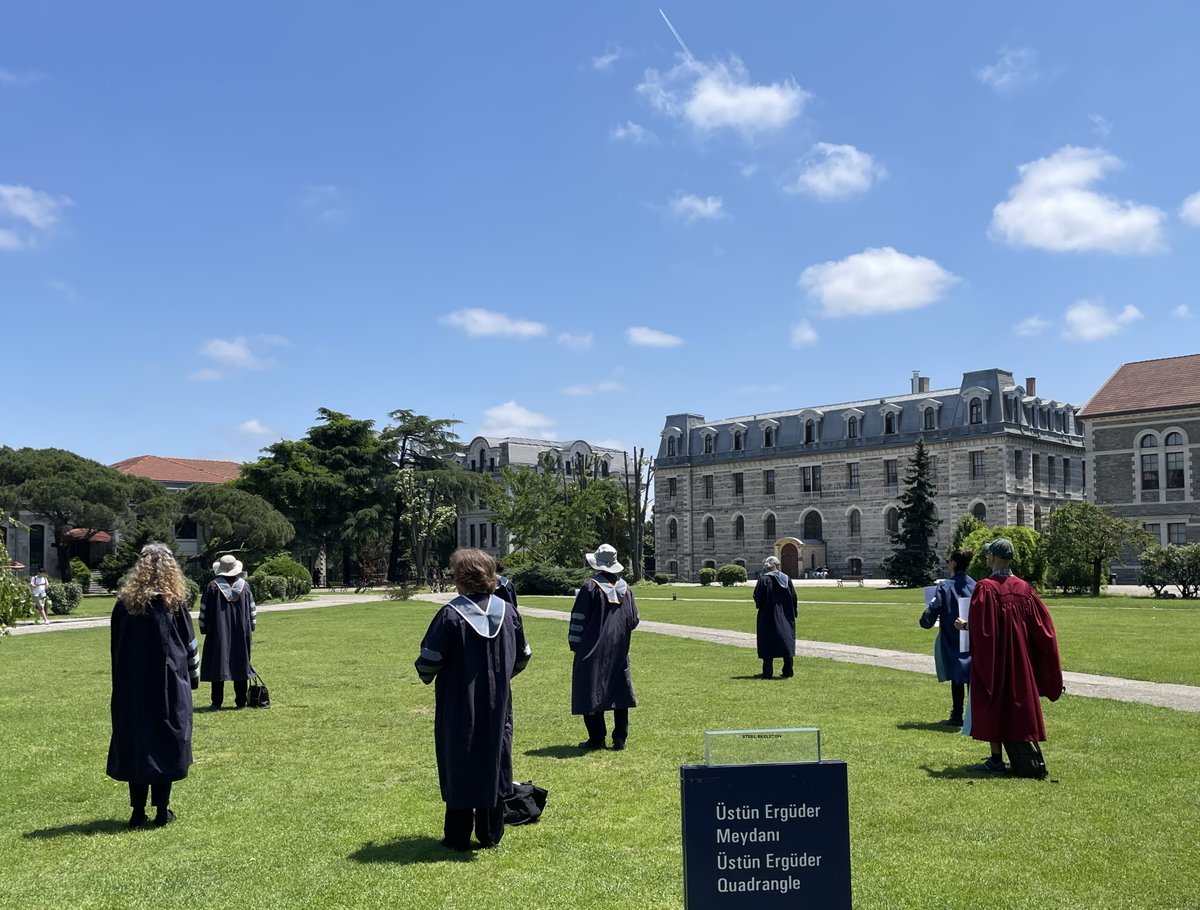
(758, 676)
(930, 726)
(87, 829)
(969, 773)
(409, 851)
(558, 752)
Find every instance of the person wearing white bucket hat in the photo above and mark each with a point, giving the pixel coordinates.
(228, 617)
(602, 623)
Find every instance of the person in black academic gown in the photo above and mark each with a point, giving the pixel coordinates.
(775, 598)
(602, 623)
(506, 590)
(155, 667)
(228, 617)
(473, 648)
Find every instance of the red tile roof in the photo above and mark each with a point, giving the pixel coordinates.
(97, 536)
(179, 470)
(1148, 385)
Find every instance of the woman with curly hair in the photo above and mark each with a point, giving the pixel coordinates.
(155, 666)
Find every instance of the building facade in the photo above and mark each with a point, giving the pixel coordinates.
(477, 526)
(819, 486)
(1143, 443)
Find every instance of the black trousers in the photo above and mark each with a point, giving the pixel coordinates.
(488, 822)
(597, 729)
(160, 795)
(957, 690)
(769, 667)
(240, 687)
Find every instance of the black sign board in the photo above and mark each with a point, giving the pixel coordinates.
(766, 836)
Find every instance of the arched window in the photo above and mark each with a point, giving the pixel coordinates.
(1020, 516)
(769, 437)
(889, 422)
(1037, 518)
(1173, 439)
(737, 440)
(891, 520)
(812, 526)
(855, 523)
(976, 411)
(672, 530)
(710, 563)
(980, 511)
(673, 567)
(739, 528)
(769, 527)
(1174, 458)
(604, 468)
(810, 431)
(708, 443)
(930, 419)
(579, 463)
(37, 548)
(710, 528)
(670, 446)
(852, 428)
(1149, 441)
(855, 566)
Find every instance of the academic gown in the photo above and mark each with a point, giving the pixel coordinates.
(506, 591)
(602, 623)
(1014, 659)
(154, 669)
(228, 616)
(953, 665)
(775, 598)
(472, 653)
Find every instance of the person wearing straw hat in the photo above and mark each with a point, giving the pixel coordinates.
(602, 623)
(228, 617)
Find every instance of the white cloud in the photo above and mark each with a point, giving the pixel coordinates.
(837, 171)
(1190, 210)
(10, 240)
(721, 96)
(324, 202)
(480, 323)
(1015, 68)
(511, 419)
(594, 388)
(275, 341)
(632, 132)
(652, 338)
(803, 334)
(1034, 325)
(254, 427)
(1090, 320)
(604, 62)
(1052, 208)
(233, 352)
(1183, 311)
(10, 79)
(576, 341)
(206, 374)
(1102, 125)
(32, 210)
(877, 280)
(689, 209)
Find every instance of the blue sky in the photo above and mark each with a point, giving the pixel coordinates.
(548, 219)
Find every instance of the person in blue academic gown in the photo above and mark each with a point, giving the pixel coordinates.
(228, 617)
(953, 665)
(602, 623)
(775, 598)
(472, 649)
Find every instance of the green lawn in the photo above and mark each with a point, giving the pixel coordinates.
(1134, 637)
(329, 799)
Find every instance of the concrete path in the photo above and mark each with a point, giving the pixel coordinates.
(1166, 695)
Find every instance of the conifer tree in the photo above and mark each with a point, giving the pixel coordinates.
(914, 562)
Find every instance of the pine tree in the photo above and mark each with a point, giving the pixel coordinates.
(914, 562)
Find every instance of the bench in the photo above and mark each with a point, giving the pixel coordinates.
(842, 579)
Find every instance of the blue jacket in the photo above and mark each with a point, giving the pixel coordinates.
(953, 665)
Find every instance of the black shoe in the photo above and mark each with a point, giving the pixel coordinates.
(765, 676)
(214, 707)
(163, 818)
(459, 846)
(591, 745)
(993, 765)
(137, 819)
(786, 674)
(619, 745)
(954, 720)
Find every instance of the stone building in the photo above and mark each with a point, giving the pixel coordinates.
(1143, 443)
(476, 525)
(819, 486)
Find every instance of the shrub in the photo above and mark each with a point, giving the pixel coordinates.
(1029, 560)
(16, 597)
(81, 574)
(707, 576)
(284, 566)
(731, 575)
(268, 587)
(1172, 565)
(193, 593)
(64, 597)
(662, 578)
(547, 578)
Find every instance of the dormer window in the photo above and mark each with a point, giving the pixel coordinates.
(769, 437)
(670, 446)
(929, 421)
(810, 431)
(737, 440)
(852, 428)
(976, 415)
(708, 444)
(889, 423)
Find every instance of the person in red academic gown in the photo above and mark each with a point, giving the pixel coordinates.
(1014, 658)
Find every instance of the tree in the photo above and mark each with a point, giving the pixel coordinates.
(73, 492)
(638, 476)
(1082, 540)
(967, 525)
(1029, 559)
(234, 521)
(1172, 565)
(291, 478)
(16, 597)
(914, 562)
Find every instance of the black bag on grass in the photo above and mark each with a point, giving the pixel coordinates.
(525, 804)
(1025, 760)
(257, 695)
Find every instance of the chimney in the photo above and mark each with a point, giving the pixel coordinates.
(924, 385)
(1031, 386)
(916, 381)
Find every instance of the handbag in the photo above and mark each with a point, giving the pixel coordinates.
(257, 695)
(525, 804)
(1025, 760)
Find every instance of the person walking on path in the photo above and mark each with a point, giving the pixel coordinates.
(1014, 658)
(952, 664)
(155, 667)
(775, 598)
(473, 648)
(228, 617)
(602, 623)
(41, 593)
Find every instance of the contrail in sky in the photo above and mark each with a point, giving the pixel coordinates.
(676, 34)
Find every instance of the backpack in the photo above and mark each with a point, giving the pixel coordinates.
(525, 804)
(1025, 760)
